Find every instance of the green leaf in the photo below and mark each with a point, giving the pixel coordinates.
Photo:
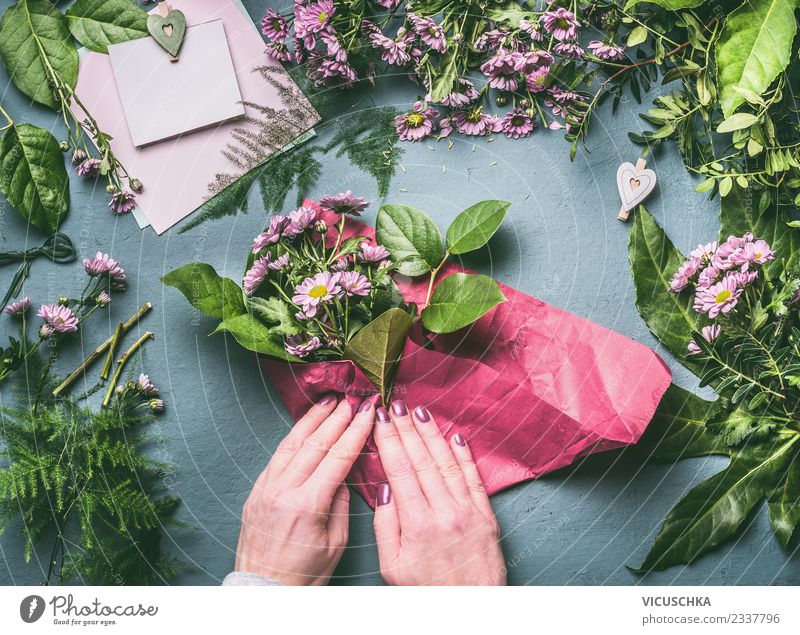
(448, 72)
(473, 227)
(411, 237)
(98, 23)
(738, 121)
(378, 346)
(784, 504)
(654, 259)
(459, 300)
(713, 511)
(754, 48)
(254, 336)
(637, 36)
(725, 186)
(739, 214)
(33, 177)
(672, 5)
(705, 185)
(34, 33)
(277, 312)
(217, 297)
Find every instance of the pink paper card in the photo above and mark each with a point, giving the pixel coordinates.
(180, 174)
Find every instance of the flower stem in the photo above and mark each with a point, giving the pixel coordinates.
(9, 120)
(433, 277)
(121, 365)
(112, 349)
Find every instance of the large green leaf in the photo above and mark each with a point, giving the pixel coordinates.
(448, 72)
(377, 347)
(754, 48)
(654, 259)
(473, 227)
(255, 336)
(411, 236)
(459, 300)
(784, 504)
(739, 214)
(277, 312)
(34, 33)
(219, 298)
(713, 511)
(672, 5)
(33, 177)
(98, 23)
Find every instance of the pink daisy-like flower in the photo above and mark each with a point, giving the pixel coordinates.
(475, 122)
(680, 280)
(278, 51)
(100, 264)
(445, 127)
(46, 331)
(429, 32)
(344, 203)
(532, 29)
(501, 71)
(354, 283)
(416, 124)
(752, 253)
(532, 60)
(607, 51)
(570, 50)
(280, 263)
(517, 124)
(372, 253)
(324, 70)
(710, 333)
(708, 276)
(334, 45)
(146, 386)
(103, 299)
(343, 264)
(744, 278)
(314, 17)
(272, 234)
(300, 220)
(718, 298)
(19, 307)
(537, 80)
(561, 24)
(89, 167)
(316, 290)
(79, 156)
(118, 277)
(390, 4)
(256, 274)
(274, 26)
(122, 202)
(463, 93)
(704, 252)
(58, 317)
(394, 51)
(301, 346)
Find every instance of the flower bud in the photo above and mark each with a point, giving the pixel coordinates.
(531, 112)
(501, 100)
(64, 146)
(321, 226)
(156, 405)
(79, 156)
(103, 299)
(111, 188)
(63, 300)
(524, 103)
(136, 185)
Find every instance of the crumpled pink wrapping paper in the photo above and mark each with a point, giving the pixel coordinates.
(531, 387)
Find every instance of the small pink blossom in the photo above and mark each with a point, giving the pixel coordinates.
(710, 334)
(394, 51)
(274, 26)
(704, 252)
(570, 50)
(278, 51)
(607, 51)
(300, 220)
(89, 167)
(316, 290)
(122, 202)
(370, 253)
(475, 122)
(416, 124)
(59, 318)
(354, 283)
(561, 24)
(344, 203)
(752, 253)
(721, 297)
(429, 32)
(684, 274)
(517, 124)
(272, 234)
(146, 386)
(256, 274)
(280, 263)
(19, 307)
(300, 346)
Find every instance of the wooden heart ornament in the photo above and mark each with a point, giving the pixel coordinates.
(634, 184)
(168, 30)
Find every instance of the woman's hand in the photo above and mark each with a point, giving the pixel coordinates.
(433, 520)
(295, 521)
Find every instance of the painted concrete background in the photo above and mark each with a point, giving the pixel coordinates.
(561, 242)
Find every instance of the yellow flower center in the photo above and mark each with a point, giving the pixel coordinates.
(323, 15)
(414, 120)
(758, 256)
(475, 115)
(320, 291)
(723, 295)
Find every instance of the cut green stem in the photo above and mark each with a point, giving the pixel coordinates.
(112, 350)
(121, 365)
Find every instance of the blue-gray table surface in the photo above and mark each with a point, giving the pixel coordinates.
(561, 243)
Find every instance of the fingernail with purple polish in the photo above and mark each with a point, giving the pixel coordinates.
(383, 416)
(384, 494)
(326, 400)
(365, 406)
(399, 408)
(421, 413)
(459, 439)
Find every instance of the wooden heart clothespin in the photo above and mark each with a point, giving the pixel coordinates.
(168, 28)
(634, 183)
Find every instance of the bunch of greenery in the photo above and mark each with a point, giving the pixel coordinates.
(752, 362)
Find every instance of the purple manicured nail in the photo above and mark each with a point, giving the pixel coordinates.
(421, 413)
(326, 400)
(399, 408)
(459, 439)
(382, 415)
(384, 494)
(365, 406)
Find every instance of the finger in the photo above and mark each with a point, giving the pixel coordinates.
(387, 527)
(317, 445)
(303, 429)
(473, 479)
(429, 477)
(336, 464)
(406, 492)
(441, 453)
(339, 517)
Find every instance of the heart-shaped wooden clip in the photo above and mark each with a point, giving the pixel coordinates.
(634, 184)
(168, 28)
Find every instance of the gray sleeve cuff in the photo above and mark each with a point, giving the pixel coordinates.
(244, 578)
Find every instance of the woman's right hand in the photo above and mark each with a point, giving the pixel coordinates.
(434, 524)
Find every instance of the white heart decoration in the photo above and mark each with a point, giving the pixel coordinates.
(634, 185)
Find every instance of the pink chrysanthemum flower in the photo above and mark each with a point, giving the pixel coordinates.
(710, 334)
(416, 124)
(314, 17)
(19, 307)
(118, 277)
(373, 253)
(708, 277)
(561, 24)
(100, 264)
(394, 51)
(274, 26)
(272, 234)
(89, 167)
(146, 386)
(501, 71)
(354, 283)
(279, 263)
(300, 220)
(475, 122)
(517, 124)
(256, 274)
(300, 346)
(463, 93)
(344, 203)
(331, 40)
(79, 156)
(343, 264)
(429, 32)
(122, 202)
(680, 280)
(390, 4)
(607, 51)
(46, 331)
(704, 252)
(570, 50)
(537, 80)
(58, 317)
(752, 253)
(532, 60)
(718, 298)
(532, 29)
(316, 290)
(744, 278)
(278, 51)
